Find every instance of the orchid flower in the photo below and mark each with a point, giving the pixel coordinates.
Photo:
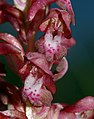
(57, 39)
(33, 61)
(38, 79)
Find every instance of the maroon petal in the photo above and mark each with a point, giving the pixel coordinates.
(84, 104)
(13, 114)
(6, 48)
(66, 18)
(61, 68)
(20, 4)
(12, 41)
(36, 6)
(24, 70)
(66, 4)
(22, 35)
(2, 116)
(11, 14)
(14, 12)
(34, 25)
(50, 84)
(13, 21)
(40, 61)
(39, 45)
(23, 5)
(15, 62)
(2, 6)
(2, 18)
(2, 2)
(13, 56)
(14, 17)
(13, 95)
(2, 70)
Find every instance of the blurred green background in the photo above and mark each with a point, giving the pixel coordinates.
(79, 80)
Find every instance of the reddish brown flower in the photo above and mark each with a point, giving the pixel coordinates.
(34, 60)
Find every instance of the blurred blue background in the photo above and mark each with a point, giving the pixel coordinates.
(79, 80)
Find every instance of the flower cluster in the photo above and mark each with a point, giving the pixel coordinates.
(33, 60)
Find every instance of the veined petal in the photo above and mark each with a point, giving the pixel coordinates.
(40, 61)
(20, 4)
(2, 18)
(49, 83)
(6, 48)
(15, 62)
(12, 94)
(2, 116)
(61, 68)
(36, 6)
(34, 25)
(14, 12)
(66, 20)
(11, 14)
(66, 4)
(24, 70)
(12, 41)
(23, 5)
(13, 114)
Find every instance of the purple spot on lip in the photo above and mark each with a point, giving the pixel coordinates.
(35, 90)
(58, 49)
(53, 49)
(32, 98)
(48, 44)
(38, 95)
(34, 94)
(68, 2)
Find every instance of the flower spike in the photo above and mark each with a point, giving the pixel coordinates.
(38, 63)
